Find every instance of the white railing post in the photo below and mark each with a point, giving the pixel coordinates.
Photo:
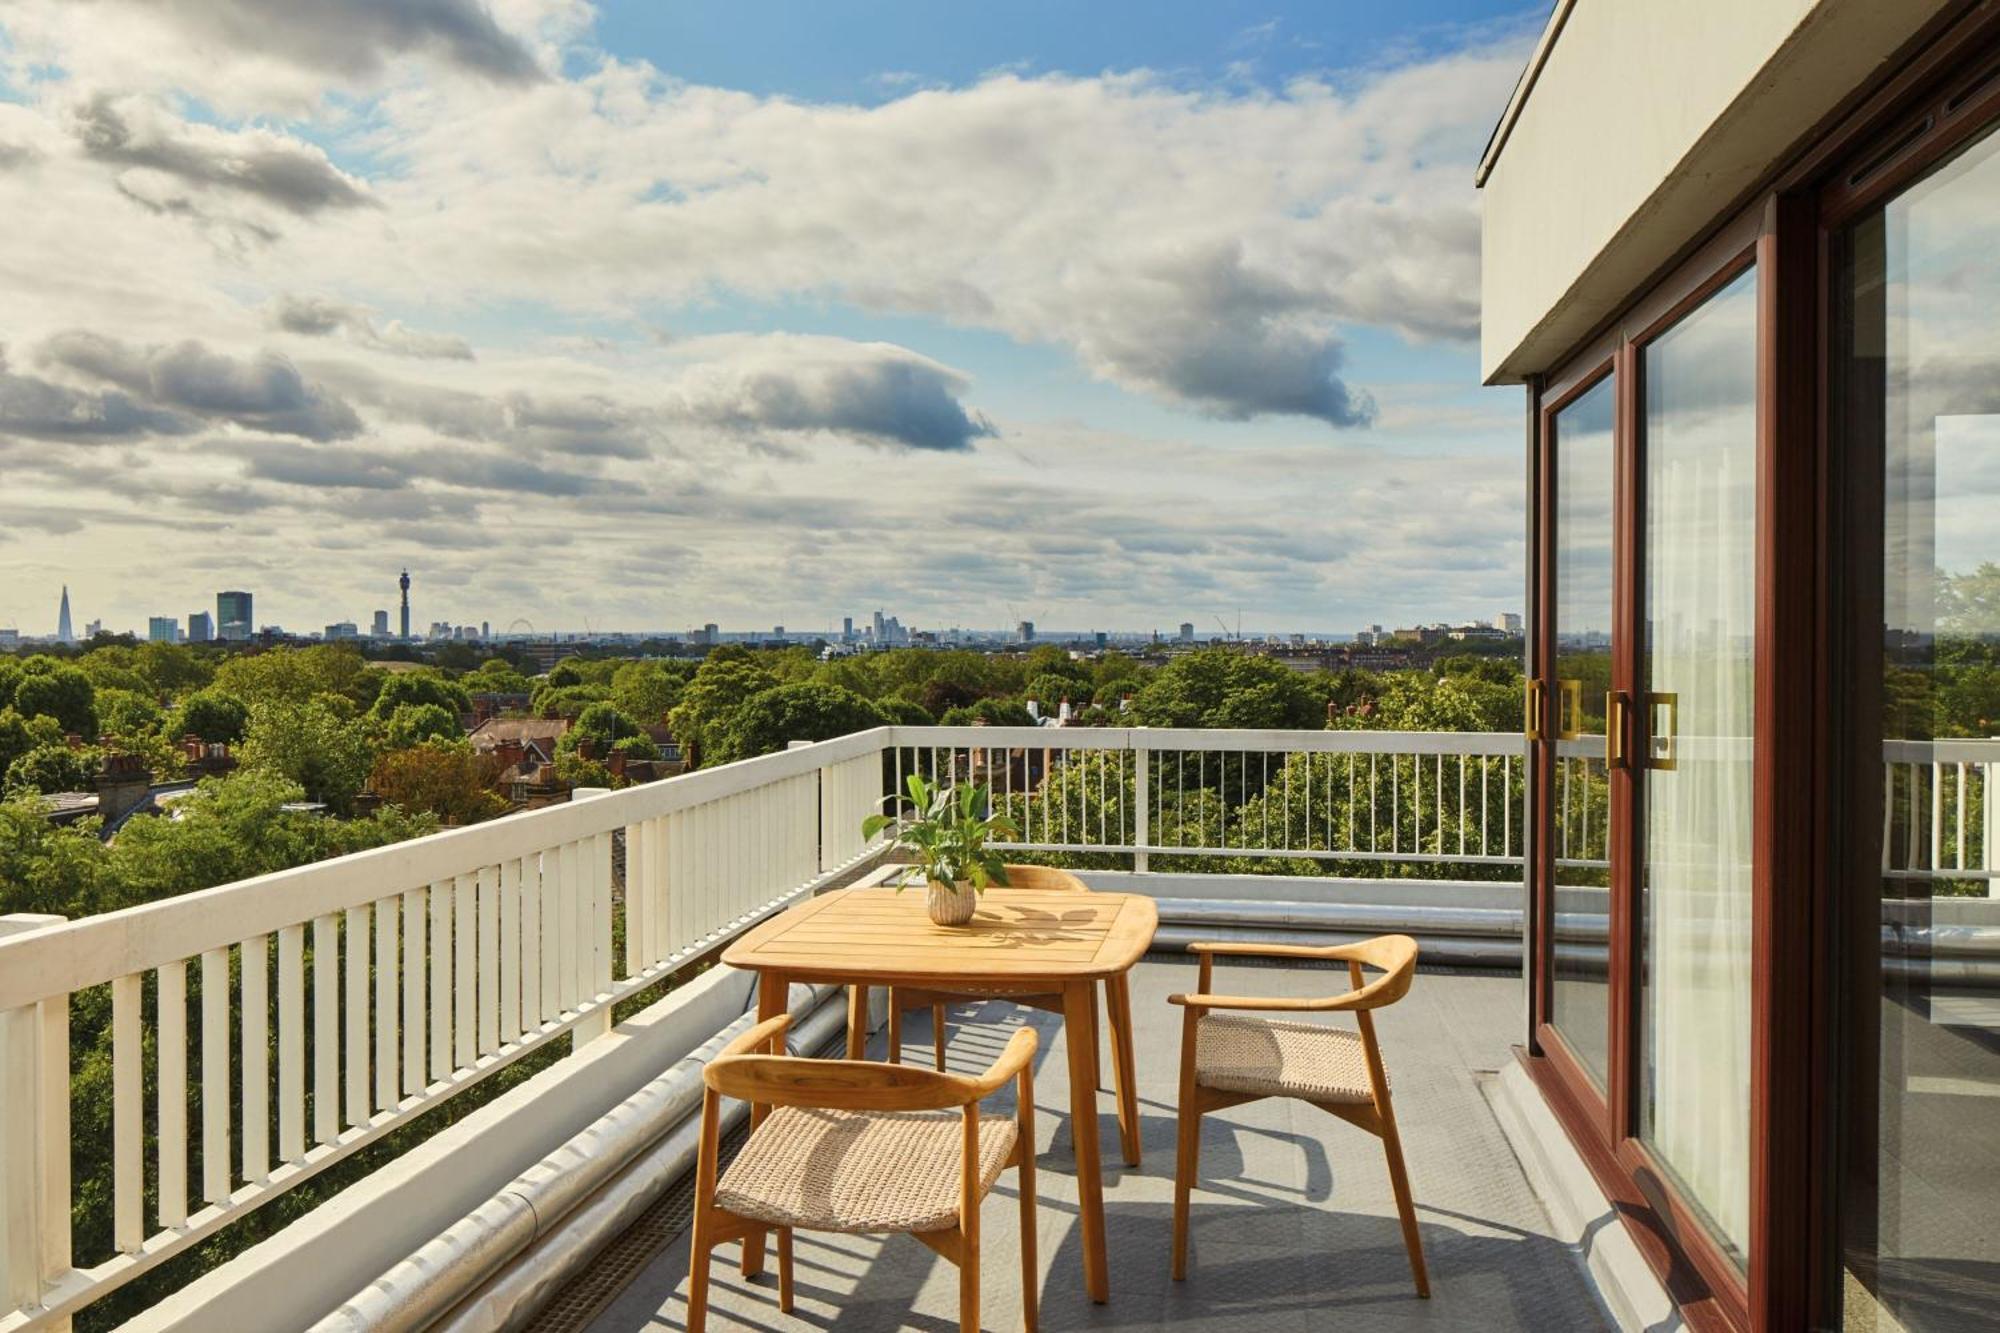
(1142, 804)
(34, 1142)
(1990, 797)
(596, 892)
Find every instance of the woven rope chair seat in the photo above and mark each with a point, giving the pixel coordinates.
(859, 1171)
(1271, 1057)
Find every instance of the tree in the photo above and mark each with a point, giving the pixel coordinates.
(1216, 687)
(723, 684)
(991, 712)
(414, 724)
(126, 714)
(451, 782)
(54, 768)
(603, 722)
(315, 744)
(215, 715)
(420, 688)
(294, 675)
(647, 690)
(172, 669)
(52, 689)
(18, 735)
(805, 711)
(496, 675)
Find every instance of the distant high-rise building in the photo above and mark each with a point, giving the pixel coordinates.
(93, 629)
(342, 629)
(1187, 631)
(201, 627)
(485, 629)
(1026, 630)
(1510, 621)
(1101, 639)
(847, 629)
(233, 621)
(404, 584)
(65, 633)
(381, 630)
(163, 629)
(711, 633)
(878, 627)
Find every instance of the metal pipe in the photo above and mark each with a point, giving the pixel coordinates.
(425, 1288)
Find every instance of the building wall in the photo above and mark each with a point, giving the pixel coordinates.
(1645, 122)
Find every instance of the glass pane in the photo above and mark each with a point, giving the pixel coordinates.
(1583, 464)
(1920, 396)
(1700, 478)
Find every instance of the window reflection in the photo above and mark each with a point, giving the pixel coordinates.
(1919, 398)
(1698, 658)
(1583, 572)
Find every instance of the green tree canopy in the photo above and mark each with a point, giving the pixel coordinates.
(53, 689)
(127, 713)
(54, 768)
(316, 744)
(212, 714)
(803, 711)
(294, 675)
(420, 688)
(1215, 687)
(723, 683)
(413, 724)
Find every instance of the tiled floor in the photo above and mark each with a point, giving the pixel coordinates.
(1293, 1226)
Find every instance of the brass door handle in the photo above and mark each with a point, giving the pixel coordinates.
(1569, 710)
(1615, 705)
(1536, 700)
(1663, 745)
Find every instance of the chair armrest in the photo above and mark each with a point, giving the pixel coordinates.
(1254, 949)
(758, 1038)
(1019, 1051)
(1298, 1004)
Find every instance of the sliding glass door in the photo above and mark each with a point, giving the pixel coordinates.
(1585, 511)
(1917, 432)
(1698, 451)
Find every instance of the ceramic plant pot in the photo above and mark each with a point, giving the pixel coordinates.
(952, 904)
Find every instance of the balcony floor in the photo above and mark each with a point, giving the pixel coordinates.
(1293, 1225)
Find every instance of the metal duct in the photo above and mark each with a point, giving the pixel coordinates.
(424, 1288)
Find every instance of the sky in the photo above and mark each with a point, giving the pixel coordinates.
(645, 315)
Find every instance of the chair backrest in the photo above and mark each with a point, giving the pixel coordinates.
(1047, 879)
(850, 1085)
(1395, 956)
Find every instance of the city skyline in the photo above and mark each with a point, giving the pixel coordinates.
(883, 629)
(667, 355)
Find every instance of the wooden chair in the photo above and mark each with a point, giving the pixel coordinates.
(1117, 1004)
(1229, 1059)
(858, 1147)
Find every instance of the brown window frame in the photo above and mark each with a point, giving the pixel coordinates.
(1939, 93)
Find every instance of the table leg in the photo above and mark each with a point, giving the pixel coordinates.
(1124, 1064)
(773, 996)
(1079, 1022)
(857, 1022)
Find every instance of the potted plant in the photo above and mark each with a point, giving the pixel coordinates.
(949, 834)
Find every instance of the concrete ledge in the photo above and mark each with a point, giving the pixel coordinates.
(1579, 1214)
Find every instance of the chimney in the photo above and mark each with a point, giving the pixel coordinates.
(122, 785)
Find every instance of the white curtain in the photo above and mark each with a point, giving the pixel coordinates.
(1701, 622)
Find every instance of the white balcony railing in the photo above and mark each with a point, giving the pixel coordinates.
(304, 1015)
(333, 1003)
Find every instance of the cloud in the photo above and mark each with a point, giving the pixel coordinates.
(254, 57)
(322, 317)
(875, 392)
(273, 168)
(40, 410)
(265, 392)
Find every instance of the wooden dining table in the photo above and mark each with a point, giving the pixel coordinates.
(1049, 942)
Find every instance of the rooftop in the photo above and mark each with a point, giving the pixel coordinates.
(1292, 1221)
